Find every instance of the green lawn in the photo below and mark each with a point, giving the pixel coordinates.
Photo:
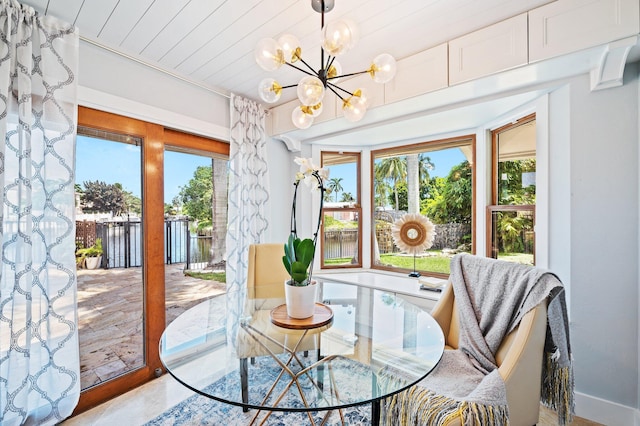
(220, 277)
(338, 261)
(439, 263)
(524, 258)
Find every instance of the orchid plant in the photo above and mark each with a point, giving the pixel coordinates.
(299, 254)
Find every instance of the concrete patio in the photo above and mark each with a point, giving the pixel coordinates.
(110, 316)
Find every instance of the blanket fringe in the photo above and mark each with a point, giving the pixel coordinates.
(420, 406)
(557, 389)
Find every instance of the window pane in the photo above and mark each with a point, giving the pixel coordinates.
(516, 149)
(511, 219)
(513, 236)
(110, 292)
(195, 227)
(341, 230)
(343, 183)
(341, 227)
(434, 180)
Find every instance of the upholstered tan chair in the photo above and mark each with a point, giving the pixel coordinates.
(266, 273)
(519, 357)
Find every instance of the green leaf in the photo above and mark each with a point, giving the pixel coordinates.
(298, 272)
(304, 252)
(287, 264)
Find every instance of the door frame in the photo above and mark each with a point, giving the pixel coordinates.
(154, 138)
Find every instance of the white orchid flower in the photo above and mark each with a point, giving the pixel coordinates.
(311, 181)
(306, 173)
(324, 173)
(306, 166)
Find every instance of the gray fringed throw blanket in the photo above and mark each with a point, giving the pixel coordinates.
(492, 296)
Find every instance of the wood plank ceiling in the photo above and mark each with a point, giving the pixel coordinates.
(211, 42)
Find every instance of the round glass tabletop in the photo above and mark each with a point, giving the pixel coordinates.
(376, 345)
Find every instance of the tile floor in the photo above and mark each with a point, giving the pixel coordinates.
(140, 405)
(110, 316)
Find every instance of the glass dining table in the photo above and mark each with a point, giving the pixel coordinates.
(362, 345)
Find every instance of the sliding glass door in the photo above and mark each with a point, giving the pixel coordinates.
(122, 315)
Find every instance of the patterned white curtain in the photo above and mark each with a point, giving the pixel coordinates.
(39, 356)
(248, 196)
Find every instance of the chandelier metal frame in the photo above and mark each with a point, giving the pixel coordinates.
(338, 38)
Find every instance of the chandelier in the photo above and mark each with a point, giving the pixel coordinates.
(337, 38)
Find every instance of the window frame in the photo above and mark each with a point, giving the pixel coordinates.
(424, 147)
(357, 209)
(494, 206)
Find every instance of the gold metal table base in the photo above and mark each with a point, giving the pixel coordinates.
(256, 335)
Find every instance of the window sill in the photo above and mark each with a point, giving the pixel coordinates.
(385, 281)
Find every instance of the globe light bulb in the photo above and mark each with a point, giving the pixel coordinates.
(364, 97)
(290, 46)
(354, 109)
(383, 68)
(268, 54)
(310, 90)
(301, 119)
(338, 37)
(269, 90)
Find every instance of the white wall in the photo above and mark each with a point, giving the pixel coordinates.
(281, 172)
(603, 164)
(115, 84)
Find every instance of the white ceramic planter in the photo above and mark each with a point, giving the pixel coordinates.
(92, 262)
(301, 301)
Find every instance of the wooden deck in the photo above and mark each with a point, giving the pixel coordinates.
(110, 316)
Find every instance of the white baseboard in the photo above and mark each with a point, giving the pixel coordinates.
(605, 412)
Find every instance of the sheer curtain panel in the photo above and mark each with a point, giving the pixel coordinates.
(39, 357)
(248, 197)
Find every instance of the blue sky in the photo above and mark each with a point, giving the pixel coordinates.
(112, 162)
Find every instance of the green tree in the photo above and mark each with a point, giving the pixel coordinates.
(393, 169)
(347, 197)
(197, 195)
(424, 166)
(175, 207)
(452, 204)
(133, 203)
(101, 197)
(511, 190)
(381, 189)
(335, 186)
(511, 226)
(401, 194)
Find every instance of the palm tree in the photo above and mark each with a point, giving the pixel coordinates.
(413, 184)
(424, 165)
(418, 166)
(347, 197)
(334, 186)
(382, 189)
(395, 169)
